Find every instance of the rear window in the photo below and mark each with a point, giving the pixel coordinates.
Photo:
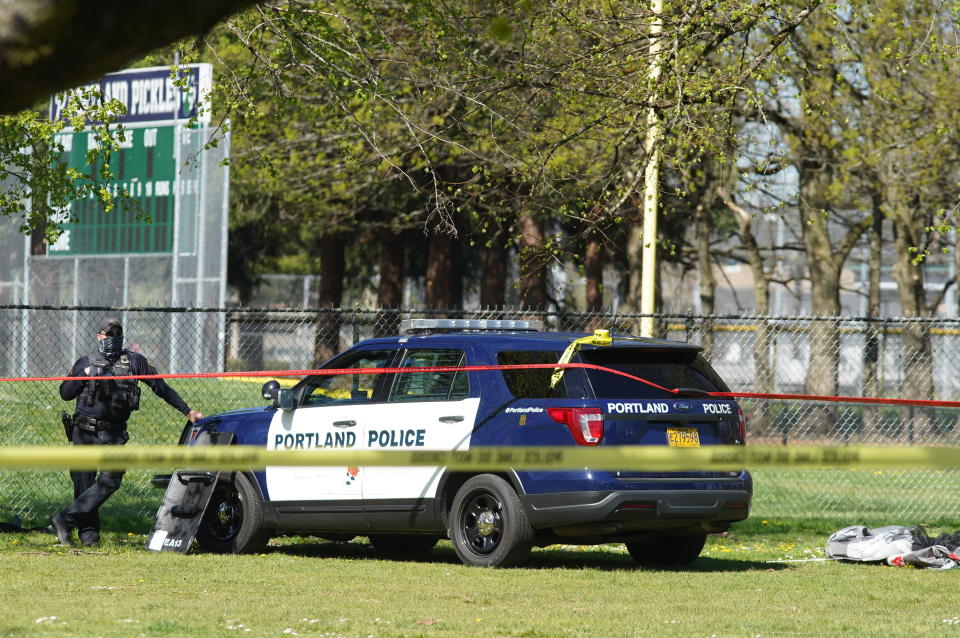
(531, 384)
(669, 367)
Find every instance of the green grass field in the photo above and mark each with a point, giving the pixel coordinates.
(309, 587)
(761, 579)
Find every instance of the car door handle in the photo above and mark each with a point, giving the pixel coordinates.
(344, 424)
(451, 419)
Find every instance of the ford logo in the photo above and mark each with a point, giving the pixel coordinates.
(683, 406)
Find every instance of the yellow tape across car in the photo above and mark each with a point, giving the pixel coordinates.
(598, 338)
(654, 458)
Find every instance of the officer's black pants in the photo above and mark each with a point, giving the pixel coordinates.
(89, 490)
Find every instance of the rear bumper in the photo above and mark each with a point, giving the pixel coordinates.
(623, 511)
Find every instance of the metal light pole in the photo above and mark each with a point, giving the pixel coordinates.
(651, 200)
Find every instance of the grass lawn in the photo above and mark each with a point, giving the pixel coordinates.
(310, 587)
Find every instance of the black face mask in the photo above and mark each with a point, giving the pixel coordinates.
(111, 346)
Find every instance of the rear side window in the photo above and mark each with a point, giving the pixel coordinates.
(668, 367)
(532, 384)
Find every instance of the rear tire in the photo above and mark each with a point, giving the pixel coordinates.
(665, 550)
(488, 525)
(401, 546)
(233, 522)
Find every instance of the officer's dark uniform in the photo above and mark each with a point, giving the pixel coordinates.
(103, 407)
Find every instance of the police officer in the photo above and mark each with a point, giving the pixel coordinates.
(103, 407)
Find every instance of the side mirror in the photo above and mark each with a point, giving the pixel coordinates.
(270, 389)
(285, 399)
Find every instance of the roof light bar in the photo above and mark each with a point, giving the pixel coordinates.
(414, 325)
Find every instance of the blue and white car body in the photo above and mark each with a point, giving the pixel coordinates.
(493, 518)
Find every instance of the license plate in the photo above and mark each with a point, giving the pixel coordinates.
(683, 437)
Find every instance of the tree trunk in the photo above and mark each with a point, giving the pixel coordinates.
(390, 291)
(707, 281)
(38, 241)
(327, 338)
(634, 252)
(871, 350)
(593, 270)
(824, 268)
(956, 269)
(250, 347)
(441, 271)
(493, 271)
(761, 350)
(533, 263)
(821, 379)
(763, 373)
(917, 357)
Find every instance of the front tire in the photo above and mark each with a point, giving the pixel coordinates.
(233, 521)
(488, 525)
(664, 550)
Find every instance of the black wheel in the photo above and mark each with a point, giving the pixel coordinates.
(403, 545)
(233, 522)
(664, 550)
(488, 526)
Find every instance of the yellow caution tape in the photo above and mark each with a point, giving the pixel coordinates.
(598, 338)
(656, 458)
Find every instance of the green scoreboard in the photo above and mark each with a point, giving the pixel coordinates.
(145, 167)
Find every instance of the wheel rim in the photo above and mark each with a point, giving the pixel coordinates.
(224, 514)
(481, 522)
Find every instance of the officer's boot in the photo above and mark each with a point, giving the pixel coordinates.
(89, 534)
(61, 527)
(88, 528)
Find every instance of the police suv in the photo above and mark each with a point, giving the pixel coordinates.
(491, 518)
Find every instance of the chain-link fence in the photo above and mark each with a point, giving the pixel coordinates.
(902, 358)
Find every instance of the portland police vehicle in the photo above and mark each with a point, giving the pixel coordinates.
(491, 518)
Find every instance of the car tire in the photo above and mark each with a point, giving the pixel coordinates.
(666, 550)
(400, 546)
(233, 521)
(488, 525)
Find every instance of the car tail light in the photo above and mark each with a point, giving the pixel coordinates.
(585, 424)
(743, 426)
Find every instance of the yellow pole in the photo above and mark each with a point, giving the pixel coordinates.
(651, 200)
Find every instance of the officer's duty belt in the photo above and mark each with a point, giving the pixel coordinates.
(91, 424)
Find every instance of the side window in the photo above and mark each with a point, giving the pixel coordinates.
(340, 389)
(533, 383)
(430, 386)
